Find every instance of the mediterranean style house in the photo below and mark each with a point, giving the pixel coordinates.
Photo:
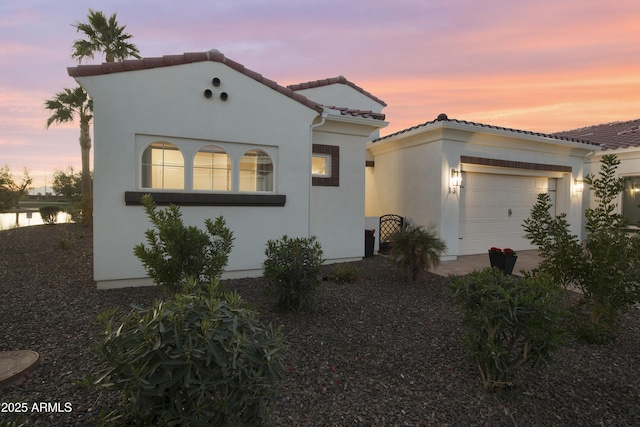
(201, 131)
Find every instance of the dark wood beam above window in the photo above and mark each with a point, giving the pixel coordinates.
(132, 198)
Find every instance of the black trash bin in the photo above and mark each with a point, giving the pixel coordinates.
(369, 242)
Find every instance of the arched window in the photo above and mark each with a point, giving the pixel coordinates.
(162, 166)
(256, 171)
(212, 169)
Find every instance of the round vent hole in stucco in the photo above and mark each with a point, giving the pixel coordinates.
(208, 93)
(224, 96)
(215, 82)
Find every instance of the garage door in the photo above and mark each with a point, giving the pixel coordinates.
(493, 207)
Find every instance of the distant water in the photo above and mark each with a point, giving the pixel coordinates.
(26, 219)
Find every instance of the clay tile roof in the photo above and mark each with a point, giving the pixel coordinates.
(216, 56)
(610, 136)
(443, 118)
(334, 80)
(358, 113)
(185, 58)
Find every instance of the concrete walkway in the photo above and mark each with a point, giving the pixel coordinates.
(527, 260)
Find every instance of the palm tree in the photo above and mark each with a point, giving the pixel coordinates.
(103, 35)
(415, 248)
(65, 106)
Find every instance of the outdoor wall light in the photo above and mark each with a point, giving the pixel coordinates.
(578, 185)
(454, 180)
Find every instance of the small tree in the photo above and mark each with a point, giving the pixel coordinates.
(604, 267)
(49, 214)
(177, 252)
(10, 191)
(609, 284)
(292, 268)
(415, 248)
(561, 252)
(67, 183)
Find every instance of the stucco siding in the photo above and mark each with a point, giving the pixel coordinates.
(168, 105)
(337, 212)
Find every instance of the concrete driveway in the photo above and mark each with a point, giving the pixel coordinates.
(527, 260)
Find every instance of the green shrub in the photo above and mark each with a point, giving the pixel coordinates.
(49, 214)
(509, 321)
(200, 358)
(81, 211)
(346, 273)
(292, 268)
(605, 267)
(177, 252)
(560, 251)
(416, 248)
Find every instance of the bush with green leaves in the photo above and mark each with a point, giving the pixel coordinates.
(346, 273)
(560, 251)
(509, 321)
(292, 268)
(49, 214)
(81, 210)
(605, 267)
(10, 191)
(416, 248)
(201, 358)
(177, 252)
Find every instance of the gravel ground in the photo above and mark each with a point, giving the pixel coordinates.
(381, 352)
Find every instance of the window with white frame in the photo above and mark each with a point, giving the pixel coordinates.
(162, 166)
(325, 165)
(256, 171)
(212, 169)
(321, 165)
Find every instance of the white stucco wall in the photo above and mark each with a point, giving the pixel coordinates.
(337, 212)
(412, 172)
(168, 103)
(342, 95)
(135, 108)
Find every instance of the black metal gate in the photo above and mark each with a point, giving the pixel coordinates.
(389, 224)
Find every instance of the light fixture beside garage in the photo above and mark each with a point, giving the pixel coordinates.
(578, 185)
(454, 180)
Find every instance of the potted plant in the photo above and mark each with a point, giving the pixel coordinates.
(510, 258)
(503, 259)
(496, 258)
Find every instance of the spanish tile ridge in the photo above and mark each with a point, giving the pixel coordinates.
(357, 113)
(611, 136)
(335, 80)
(443, 118)
(213, 55)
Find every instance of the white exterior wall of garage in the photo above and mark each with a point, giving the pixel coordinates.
(502, 171)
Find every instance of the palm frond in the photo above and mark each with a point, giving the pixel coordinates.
(416, 248)
(103, 35)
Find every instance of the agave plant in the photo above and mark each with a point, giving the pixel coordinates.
(416, 248)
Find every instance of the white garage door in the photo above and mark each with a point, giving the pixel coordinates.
(493, 208)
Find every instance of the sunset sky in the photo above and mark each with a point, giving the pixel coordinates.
(545, 65)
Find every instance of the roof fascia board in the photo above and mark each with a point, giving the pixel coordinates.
(519, 135)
